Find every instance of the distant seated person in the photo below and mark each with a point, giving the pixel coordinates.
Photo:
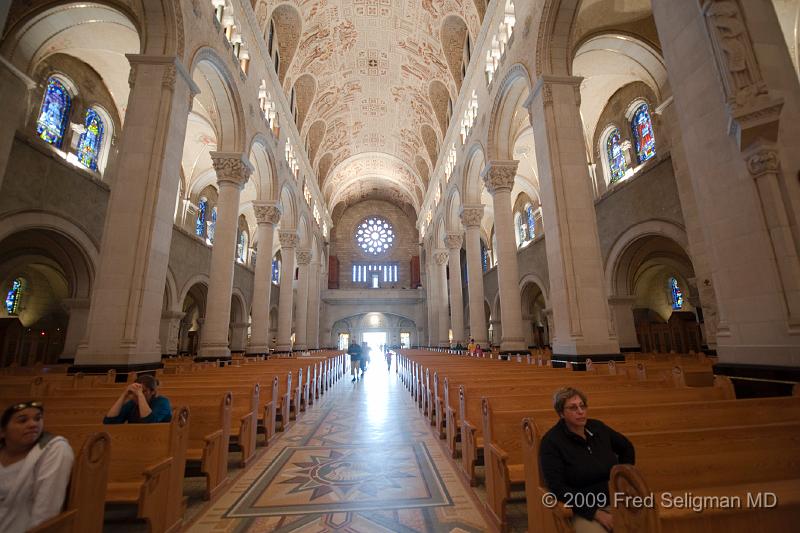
(140, 404)
(35, 468)
(576, 458)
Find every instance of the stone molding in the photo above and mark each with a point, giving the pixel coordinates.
(267, 213)
(231, 167)
(288, 239)
(763, 161)
(303, 257)
(471, 215)
(172, 68)
(499, 176)
(453, 241)
(441, 257)
(544, 85)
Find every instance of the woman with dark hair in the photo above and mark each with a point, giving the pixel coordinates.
(35, 468)
(576, 458)
(140, 403)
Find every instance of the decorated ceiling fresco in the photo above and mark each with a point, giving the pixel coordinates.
(384, 71)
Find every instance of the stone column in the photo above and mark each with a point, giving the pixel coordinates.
(314, 285)
(301, 322)
(453, 242)
(577, 291)
(125, 313)
(471, 217)
(289, 241)
(78, 310)
(267, 216)
(622, 312)
(431, 292)
(736, 102)
(15, 87)
(170, 331)
(233, 170)
(238, 333)
(440, 258)
(498, 176)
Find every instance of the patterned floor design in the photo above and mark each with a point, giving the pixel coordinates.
(362, 460)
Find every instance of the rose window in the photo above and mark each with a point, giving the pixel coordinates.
(375, 235)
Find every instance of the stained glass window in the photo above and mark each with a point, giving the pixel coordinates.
(14, 297)
(91, 139)
(616, 156)
(643, 134)
(276, 271)
(531, 221)
(212, 226)
(676, 294)
(484, 257)
(522, 231)
(200, 224)
(375, 235)
(241, 247)
(54, 115)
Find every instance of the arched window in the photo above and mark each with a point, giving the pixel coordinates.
(616, 156)
(276, 271)
(241, 246)
(200, 224)
(14, 297)
(494, 248)
(676, 294)
(642, 128)
(212, 226)
(91, 139)
(522, 230)
(54, 114)
(484, 257)
(531, 221)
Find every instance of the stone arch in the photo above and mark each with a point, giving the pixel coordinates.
(170, 292)
(440, 100)
(423, 170)
(288, 28)
(511, 96)
(264, 170)
(288, 203)
(193, 302)
(552, 42)
(453, 34)
(476, 162)
(304, 233)
(453, 221)
(431, 142)
(324, 167)
(314, 138)
(218, 92)
(304, 89)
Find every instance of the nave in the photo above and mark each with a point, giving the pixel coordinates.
(363, 460)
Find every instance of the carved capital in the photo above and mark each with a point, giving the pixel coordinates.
(303, 257)
(232, 167)
(499, 176)
(267, 213)
(544, 86)
(471, 215)
(288, 239)
(453, 241)
(441, 257)
(763, 161)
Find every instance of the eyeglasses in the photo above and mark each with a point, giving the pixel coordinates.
(25, 405)
(575, 408)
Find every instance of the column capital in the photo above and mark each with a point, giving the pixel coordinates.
(231, 167)
(499, 175)
(267, 212)
(288, 238)
(453, 241)
(173, 68)
(303, 257)
(762, 160)
(544, 86)
(471, 215)
(441, 256)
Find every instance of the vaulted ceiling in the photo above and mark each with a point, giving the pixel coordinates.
(372, 80)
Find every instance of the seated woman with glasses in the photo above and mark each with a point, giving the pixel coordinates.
(140, 403)
(576, 457)
(35, 468)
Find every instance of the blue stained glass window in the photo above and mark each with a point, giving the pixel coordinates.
(521, 230)
(91, 139)
(531, 221)
(616, 157)
(276, 271)
(14, 297)
(54, 115)
(643, 134)
(241, 247)
(676, 294)
(484, 257)
(212, 226)
(200, 224)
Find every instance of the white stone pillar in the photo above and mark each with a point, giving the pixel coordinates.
(430, 293)
(498, 177)
(577, 291)
(289, 242)
(125, 313)
(267, 216)
(453, 242)
(170, 330)
(15, 87)
(737, 102)
(238, 334)
(471, 217)
(233, 170)
(440, 258)
(314, 287)
(78, 310)
(622, 311)
(301, 321)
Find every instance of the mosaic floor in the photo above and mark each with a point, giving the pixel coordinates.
(361, 460)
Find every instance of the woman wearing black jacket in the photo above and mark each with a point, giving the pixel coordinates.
(576, 457)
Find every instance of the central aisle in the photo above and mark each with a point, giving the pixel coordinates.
(361, 460)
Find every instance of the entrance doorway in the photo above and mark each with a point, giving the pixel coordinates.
(374, 340)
